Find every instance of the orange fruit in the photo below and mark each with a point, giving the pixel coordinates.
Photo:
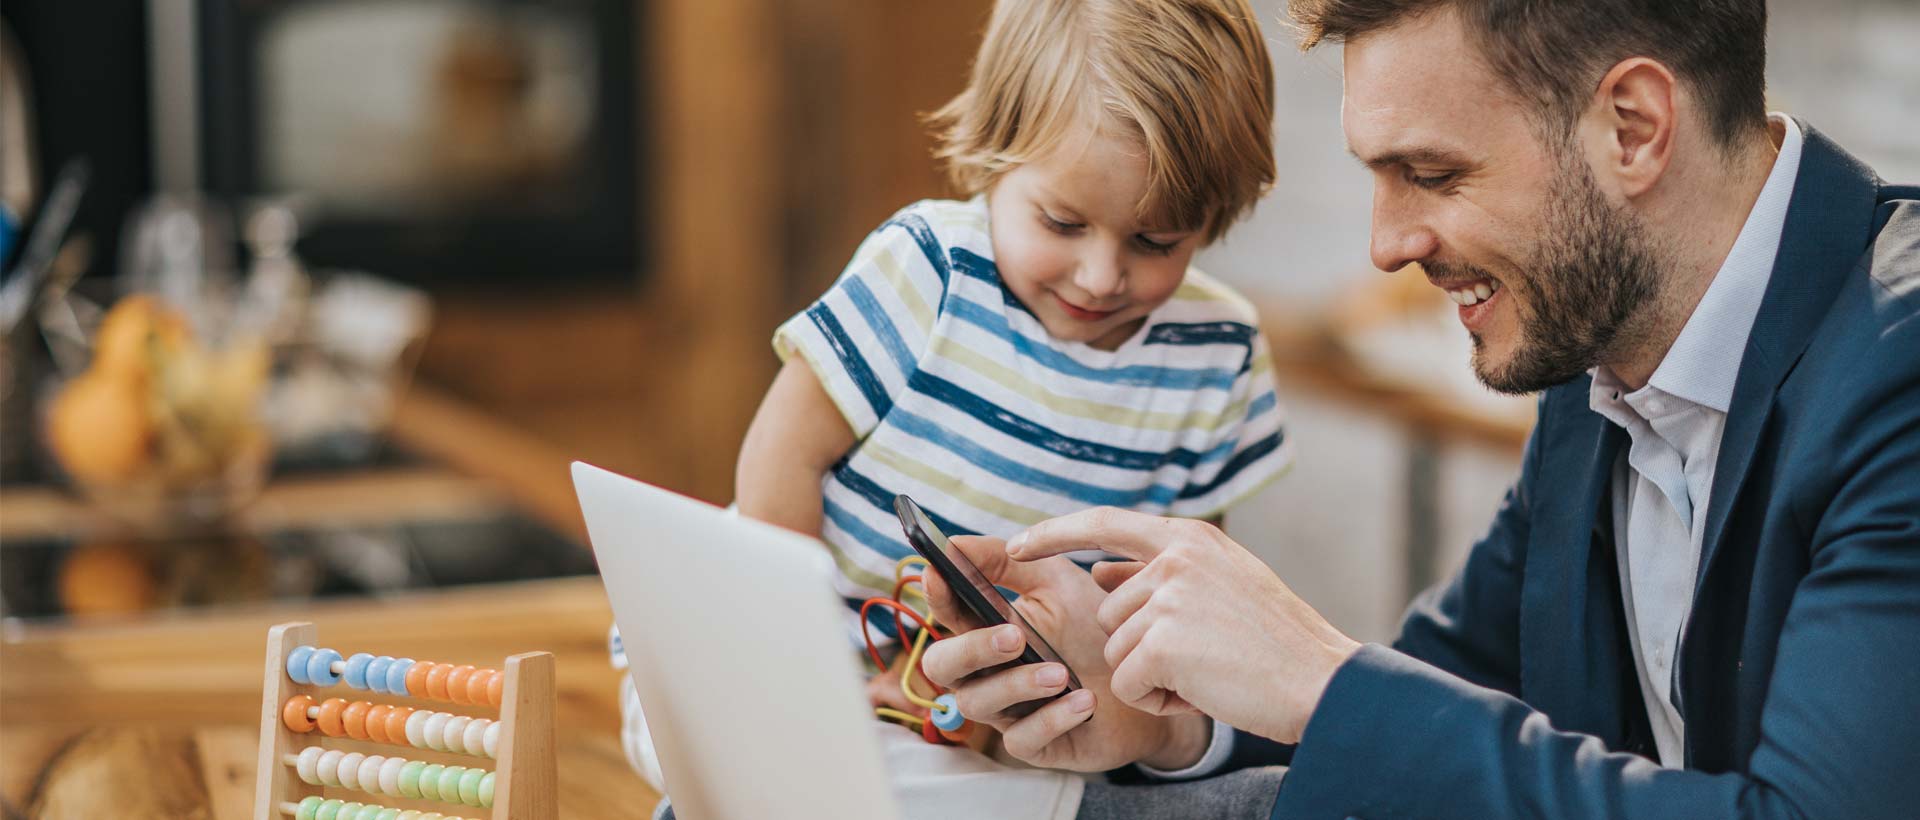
(100, 429)
(105, 578)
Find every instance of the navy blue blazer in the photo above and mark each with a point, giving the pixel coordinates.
(1511, 691)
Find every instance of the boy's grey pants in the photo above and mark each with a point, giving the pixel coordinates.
(1247, 794)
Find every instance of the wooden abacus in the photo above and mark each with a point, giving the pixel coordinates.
(311, 750)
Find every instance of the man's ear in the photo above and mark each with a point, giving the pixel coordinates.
(1630, 125)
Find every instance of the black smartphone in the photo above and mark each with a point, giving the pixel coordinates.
(979, 596)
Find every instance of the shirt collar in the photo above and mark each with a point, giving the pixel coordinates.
(1705, 358)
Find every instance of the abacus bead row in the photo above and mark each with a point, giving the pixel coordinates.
(387, 675)
(382, 723)
(394, 776)
(320, 808)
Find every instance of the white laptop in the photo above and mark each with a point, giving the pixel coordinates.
(739, 654)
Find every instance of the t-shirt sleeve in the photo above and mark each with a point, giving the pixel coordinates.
(864, 336)
(1250, 446)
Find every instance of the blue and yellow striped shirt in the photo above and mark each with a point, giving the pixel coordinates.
(958, 397)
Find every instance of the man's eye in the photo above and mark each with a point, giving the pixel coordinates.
(1432, 181)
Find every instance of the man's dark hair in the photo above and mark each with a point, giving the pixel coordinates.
(1554, 52)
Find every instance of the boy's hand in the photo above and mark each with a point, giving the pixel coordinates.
(1089, 730)
(883, 689)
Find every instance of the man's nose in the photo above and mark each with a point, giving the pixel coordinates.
(1400, 236)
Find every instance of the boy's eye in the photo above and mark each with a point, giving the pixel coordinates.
(1057, 226)
(1148, 245)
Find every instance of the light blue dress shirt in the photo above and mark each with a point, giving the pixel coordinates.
(1662, 482)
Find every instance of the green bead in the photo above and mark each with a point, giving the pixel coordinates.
(486, 791)
(410, 778)
(430, 781)
(349, 811)
(387, 814)
(450, 783)
(368, 811)
(308, 808)
(328, 810)
(470, 786)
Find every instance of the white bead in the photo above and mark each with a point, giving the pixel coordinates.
(456, 731)
(349, 772)
(370, 772)
(435, 731)
(493, 740)
(390, 775)
(328, 769)
(309, 760)
(475, 740)
(417, 728)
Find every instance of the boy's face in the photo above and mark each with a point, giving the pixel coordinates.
(1070, 246)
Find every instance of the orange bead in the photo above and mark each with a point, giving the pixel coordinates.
(477, 685)
(377, 723)
(495, 686)
(397, 723)
(417, 678)
(355, 719)
(295, 713)
(437, 681)
(457, 682)
(329, 721)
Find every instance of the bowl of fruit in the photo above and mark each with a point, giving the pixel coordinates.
(162, 430)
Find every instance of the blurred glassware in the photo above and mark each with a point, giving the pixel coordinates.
(169, 405)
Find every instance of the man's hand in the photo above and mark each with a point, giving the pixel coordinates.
(1201, 623)
(1088, 730)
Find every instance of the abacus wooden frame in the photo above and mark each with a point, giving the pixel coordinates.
(526, 777)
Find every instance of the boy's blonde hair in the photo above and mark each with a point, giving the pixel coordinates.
(1189, 78)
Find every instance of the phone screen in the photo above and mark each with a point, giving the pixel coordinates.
(969, 585)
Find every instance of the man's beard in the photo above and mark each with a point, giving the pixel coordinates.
(1594, 276)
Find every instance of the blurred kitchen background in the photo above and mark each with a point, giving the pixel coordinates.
(315, 298)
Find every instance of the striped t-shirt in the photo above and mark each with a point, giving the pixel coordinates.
(958, 397)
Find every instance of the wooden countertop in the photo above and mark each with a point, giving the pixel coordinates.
(82, 706)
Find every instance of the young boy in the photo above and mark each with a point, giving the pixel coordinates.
(1043, 346)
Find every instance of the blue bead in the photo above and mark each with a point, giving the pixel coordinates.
(297, 664)
(377, 673)
(356, 671)
(946, 715)
(320, 668)
(397, 676)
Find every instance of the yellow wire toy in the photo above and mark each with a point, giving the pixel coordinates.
(941, 721)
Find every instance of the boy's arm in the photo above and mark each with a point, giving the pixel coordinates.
(797, 435)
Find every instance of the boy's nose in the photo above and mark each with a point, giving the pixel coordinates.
(1102, 277)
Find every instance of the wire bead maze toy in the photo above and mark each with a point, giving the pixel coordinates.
(314, 751)
(936, 718)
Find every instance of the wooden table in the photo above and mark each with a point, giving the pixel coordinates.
(158, 716)
(113, 716)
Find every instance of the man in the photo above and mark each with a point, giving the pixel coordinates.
(1701, 597)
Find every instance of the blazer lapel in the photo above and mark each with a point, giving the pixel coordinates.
(1828, 226)
(1570, 626)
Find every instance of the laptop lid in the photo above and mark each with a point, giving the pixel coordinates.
(737, 649)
